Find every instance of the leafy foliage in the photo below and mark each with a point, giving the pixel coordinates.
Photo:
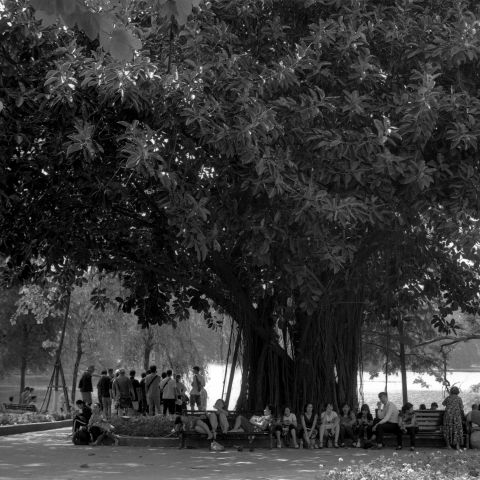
(304, 165)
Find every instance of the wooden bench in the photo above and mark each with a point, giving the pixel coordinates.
(19, 408)
(430, 429)
(231, 439)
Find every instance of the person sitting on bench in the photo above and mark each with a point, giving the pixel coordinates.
(286, 427)
(257, 423)
(329, 426)
(407, 424)
(219, 417)
(386, 421)
(472, 422)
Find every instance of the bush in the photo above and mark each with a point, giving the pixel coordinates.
(435, 466)
(157, 426)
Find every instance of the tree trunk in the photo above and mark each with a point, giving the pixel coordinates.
(24, 356)
(77, 361)
(403, 366)
(23, 369)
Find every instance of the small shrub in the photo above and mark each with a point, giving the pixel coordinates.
(434, 466)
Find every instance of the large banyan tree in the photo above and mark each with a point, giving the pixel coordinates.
(306, 165)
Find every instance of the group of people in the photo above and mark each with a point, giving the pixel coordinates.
(26, 397)
(362, 427)
(153, 394)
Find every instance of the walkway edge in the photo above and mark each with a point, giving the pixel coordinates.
(33, 427)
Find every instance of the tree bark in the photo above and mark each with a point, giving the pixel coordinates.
(78, 358)
(24, 356)
(403, 366)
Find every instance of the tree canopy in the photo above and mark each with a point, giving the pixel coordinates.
(307, 165)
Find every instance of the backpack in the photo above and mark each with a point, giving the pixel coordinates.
(81, 437)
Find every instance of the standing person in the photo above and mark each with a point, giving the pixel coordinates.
(168, 389)
(452, 419)
(143, 394)
(152, 389)
(136, 390)
(198, 384)
(387, 420)
(123, 391)
(308, 421)
(181, 398)
(163, 377)
(104, 388)
(407, 422)
(85, 385)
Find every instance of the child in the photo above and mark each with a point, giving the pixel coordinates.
(99, 427)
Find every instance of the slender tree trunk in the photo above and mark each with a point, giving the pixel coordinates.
(24, 356)
(403, 366)
(78, 358)
(23, 369)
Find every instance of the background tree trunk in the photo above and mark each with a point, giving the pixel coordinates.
(24, 355)
(78, 358)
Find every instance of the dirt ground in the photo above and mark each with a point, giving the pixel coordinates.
(51, 455)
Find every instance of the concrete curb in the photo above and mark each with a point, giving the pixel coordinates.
(33, 427)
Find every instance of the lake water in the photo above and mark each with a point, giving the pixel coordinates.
(417, 394)
(215, 373)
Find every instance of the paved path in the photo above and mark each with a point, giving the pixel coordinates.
(51, 455)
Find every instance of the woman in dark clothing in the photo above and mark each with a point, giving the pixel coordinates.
(364, 425)
(308, 426)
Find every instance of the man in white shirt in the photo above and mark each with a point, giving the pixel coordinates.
(386, 421)
(168, 388)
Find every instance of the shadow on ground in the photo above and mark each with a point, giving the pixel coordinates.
(51, 455)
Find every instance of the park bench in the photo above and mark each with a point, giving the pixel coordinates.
(430, 429)
(189, 438)
(19, 408)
